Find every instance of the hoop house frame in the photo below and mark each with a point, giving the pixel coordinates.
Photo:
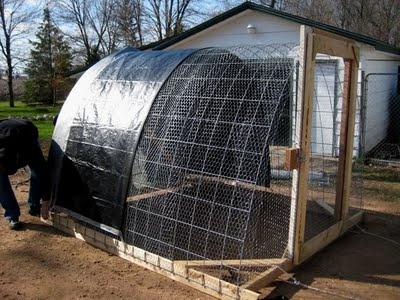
(237, 262)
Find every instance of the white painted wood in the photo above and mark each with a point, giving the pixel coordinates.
(269, 30)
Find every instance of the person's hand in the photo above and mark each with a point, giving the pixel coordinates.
(44, 210)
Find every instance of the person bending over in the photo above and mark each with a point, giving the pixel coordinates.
(19, 147)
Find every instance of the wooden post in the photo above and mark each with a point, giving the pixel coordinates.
(331, 45)
(303, 141)
(346, 139)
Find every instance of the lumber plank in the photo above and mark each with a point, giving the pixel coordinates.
(268, 276)
(334, 47)
(332, 35)
(326, 237)
(246, 185)
(203, 282)
(292, 159)
(346, 139)
(300, 176)
(156, 193)
(352, 95)
(329, 209)
(238, 262)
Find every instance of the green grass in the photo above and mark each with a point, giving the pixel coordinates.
(22, 110)
(385, 174)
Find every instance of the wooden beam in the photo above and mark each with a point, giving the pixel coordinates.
(342, 144)
(346, 139)
(352, 100)
(236, 263)
(203, 282)
(300, 176)
(331, 35)
(329, 46)
(326, 237)
(318, 42)
(329, 209)
(268, 276)
(292, 159)
(246, 185)
(156, 193)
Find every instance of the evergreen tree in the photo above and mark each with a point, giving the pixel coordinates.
(50, 59)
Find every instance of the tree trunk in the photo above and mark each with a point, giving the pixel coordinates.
(11, 90)
(10, 74)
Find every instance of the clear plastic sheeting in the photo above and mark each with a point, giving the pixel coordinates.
(98, 129)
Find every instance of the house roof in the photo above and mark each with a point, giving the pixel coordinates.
(381, 46)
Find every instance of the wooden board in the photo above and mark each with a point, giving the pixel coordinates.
(324, 45)
(242, 184)
(300, 176)
(237, 262)
(328, 236)
(176, 271)
(156, 193)
(268, 276)
(292, 159)
(315, 42)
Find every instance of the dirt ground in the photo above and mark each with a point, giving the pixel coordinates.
(41, 262)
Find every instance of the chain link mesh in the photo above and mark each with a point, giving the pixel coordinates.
(382, 127)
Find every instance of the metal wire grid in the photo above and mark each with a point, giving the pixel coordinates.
(325, 141)
(382, 127)
(201, 180)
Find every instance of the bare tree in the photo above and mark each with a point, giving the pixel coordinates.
(317, 10)
(387, 21)
(344, 13)
(364, 12)
(15, 16)
(130, 16)
(95, 24)
(102, 20)
(168, 17)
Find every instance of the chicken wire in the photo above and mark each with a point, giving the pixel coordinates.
(326, 126)
(205, 175)
(382, 109)
(207, 181)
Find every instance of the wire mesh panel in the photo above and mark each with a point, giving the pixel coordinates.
(326, 134)
(207, 182)
(209, 198)
(382, 126)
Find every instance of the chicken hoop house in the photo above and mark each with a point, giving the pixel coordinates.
(174, 160)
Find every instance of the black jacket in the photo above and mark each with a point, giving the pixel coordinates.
(17, 139)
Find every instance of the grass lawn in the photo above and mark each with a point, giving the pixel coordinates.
(45, 115)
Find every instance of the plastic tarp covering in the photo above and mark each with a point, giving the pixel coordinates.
(98, 129)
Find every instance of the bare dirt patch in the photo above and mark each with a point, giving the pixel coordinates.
(41, 262)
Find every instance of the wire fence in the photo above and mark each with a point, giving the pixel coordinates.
(382, 125)
(208, 191)
(208, 186)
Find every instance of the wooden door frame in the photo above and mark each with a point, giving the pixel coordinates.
(312, 42)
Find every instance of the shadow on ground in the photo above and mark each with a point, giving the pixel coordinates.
(363, 260)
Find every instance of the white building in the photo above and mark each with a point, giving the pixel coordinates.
(254, 24)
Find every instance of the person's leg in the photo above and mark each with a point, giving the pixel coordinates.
(38, 179)
(7, 198)
(34, 193)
